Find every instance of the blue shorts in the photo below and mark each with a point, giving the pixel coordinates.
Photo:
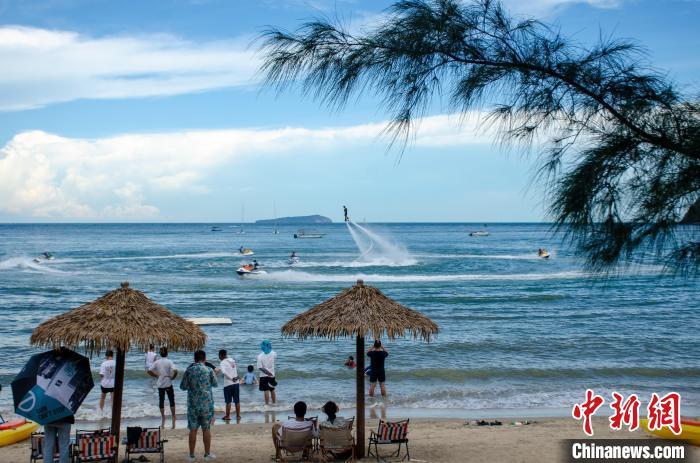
(232, 393)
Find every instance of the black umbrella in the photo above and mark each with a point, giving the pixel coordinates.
(52, 385)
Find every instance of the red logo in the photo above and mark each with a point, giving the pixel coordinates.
(665, 412)
(587, 409)
(625, 413)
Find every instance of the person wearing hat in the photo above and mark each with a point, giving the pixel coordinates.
(266, 365)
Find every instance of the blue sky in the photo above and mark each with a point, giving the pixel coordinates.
(150, 111)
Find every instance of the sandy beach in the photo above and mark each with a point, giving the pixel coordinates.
(431, 440)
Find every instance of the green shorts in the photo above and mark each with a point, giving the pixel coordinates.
(199, 419)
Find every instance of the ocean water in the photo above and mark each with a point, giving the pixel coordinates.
(516, 332)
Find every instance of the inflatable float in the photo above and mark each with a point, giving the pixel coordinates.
(14, 431)
(690, 432)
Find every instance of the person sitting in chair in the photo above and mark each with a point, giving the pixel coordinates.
(299, 423)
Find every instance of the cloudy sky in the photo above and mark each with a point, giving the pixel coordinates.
(150, 111)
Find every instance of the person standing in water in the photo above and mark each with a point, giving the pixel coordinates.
(165, 372)
(377, 355)
(107, 370)
(345, 213)
(266, 365)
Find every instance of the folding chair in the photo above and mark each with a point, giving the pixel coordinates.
(296, 445)
(150, 441)
(93, 446)
(337, 440)
(36, 441)
(389, 433)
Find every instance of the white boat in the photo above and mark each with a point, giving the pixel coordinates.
(479, 233)
(250, 270)
(308, 234)
(209, 321)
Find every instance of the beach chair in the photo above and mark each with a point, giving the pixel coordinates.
(335, 440)
(150, 441)
(296, 445)
(36, 442)
(94, 446)
(389, 433)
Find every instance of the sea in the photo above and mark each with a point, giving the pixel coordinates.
(519, 335)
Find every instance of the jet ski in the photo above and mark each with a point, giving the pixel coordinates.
(479, 233)
(543, 253)
(249, 269)
(293, 260)
(43, 257)
(246, 252)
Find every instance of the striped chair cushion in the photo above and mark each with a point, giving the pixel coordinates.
(37, 441)
(149, 440)
(388, 431)
(96, 447)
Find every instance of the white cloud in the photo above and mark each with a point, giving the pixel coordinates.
(42, 66)
(48, 176)
(544, 7)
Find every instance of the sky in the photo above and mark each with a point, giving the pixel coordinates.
(153, 112)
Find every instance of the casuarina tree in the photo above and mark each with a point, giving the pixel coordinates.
(618, 143)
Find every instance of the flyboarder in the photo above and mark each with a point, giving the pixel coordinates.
(345, 212)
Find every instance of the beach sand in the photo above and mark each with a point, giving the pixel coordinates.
(431, 440)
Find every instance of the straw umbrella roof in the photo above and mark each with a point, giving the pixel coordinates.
(120, 319)
(359, 311)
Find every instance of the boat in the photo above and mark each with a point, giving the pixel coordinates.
(479, 233)
(43, 257)
(308, 234)
(246, 252)
(14, 431)
(293, 260)
(690, 432)
(250, 269)
(210, 321)
(215, 229)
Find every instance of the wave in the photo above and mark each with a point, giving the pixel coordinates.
(379, 262)
(292, 276)
(528, 256)
(197, 255)
(461, 375)
(28, 264)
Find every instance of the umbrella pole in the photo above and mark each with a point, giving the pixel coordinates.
(117, 398)
(360, 355)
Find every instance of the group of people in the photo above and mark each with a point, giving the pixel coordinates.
(200, 379)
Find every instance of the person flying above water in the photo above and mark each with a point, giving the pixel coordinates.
(345, 213)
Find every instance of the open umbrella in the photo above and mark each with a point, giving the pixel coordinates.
(119, 320)
(52, 385)
(357, 312)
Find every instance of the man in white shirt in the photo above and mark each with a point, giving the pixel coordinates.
(266, 365)
(299, 423)
(107, 370)
(228, 368)
(165, 372)
(150, 357)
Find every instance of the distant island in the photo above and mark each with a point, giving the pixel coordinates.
(302, 219)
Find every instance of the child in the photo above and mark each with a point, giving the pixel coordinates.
(249, 378)
(350, 362)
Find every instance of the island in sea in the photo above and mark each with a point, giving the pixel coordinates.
(303, 219)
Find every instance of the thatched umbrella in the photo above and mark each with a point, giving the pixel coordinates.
(359, 311)
(119, 320)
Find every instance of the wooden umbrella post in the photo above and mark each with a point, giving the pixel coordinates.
(360, 355)
(117, 398)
